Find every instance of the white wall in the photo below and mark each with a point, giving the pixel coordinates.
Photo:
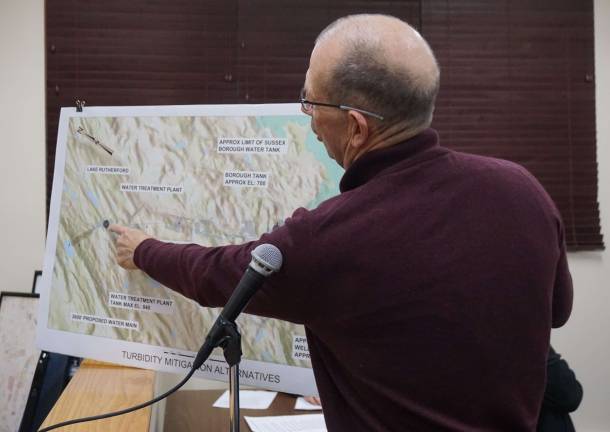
(22, 145)
(584, 340)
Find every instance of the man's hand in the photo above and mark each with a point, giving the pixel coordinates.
(126, 243)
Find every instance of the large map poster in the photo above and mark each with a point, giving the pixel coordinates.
(212, 175)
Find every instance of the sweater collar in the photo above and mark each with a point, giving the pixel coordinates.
(375, 162)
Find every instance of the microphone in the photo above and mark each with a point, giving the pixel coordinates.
(266, 260)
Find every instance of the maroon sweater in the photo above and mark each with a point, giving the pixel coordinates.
(428, 289)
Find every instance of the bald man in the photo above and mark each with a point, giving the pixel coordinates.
(429, 285)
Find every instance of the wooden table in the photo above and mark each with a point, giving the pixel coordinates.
(192, 410)
(98, 388)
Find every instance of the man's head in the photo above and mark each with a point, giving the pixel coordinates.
(378, 64)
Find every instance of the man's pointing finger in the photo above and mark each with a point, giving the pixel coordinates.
(117, 229)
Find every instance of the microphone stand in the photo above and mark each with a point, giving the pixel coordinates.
(266, 259)
(228, 338)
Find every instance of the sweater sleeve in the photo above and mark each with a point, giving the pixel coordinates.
(562, 290)
(562, 294)
(209, 275)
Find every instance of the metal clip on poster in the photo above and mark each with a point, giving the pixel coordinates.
(80, 104)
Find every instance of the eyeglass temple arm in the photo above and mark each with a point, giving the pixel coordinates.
(372, 114)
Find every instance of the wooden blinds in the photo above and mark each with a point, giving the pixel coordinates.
(517, 83)
(517, 76)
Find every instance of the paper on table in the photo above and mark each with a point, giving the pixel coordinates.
(302, 404)
(248, 399)
(291, 423)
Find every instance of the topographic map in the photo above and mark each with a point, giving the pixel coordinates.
(208, 175)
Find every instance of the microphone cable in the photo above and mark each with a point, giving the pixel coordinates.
(203, 354)
(126, 410)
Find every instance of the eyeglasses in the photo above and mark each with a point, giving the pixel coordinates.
(307, 107)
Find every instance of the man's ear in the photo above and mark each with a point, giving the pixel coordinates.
(358, 129)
